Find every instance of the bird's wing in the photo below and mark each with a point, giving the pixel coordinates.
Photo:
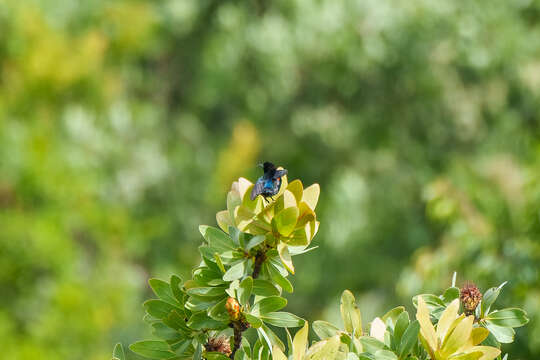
(257, 190)
(279, 173)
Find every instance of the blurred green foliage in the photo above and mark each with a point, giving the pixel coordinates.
(123, 123)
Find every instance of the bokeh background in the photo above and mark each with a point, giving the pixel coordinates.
(123, 123)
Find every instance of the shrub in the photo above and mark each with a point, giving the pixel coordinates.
(239, 284)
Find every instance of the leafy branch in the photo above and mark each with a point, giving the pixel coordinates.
(244, 271)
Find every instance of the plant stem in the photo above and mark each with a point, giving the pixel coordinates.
(259, 260)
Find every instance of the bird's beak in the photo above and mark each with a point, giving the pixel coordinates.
(260, 165)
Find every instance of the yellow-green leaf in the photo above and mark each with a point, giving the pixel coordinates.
(426, 327)
(297, 189)
(352, 318)
(447, 318)
(300, 342)
(285, 257)
(277, 354)
(458, 338)
(285, 220)
(311, 195)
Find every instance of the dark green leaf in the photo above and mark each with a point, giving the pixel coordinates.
(152, 349)
(402, 323)
(409, 338)
(450, 295)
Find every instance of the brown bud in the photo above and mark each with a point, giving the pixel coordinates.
(470, 297)
(220, 344)
(233, 308)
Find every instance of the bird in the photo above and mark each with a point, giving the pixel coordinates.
(268, 185)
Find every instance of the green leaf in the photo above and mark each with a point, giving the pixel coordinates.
(254, 321)
(254, 242)
(175, 320)
(199, 303)
(352, 319)
(158, 308)
(282, 319)
(274, 339)
(279, 279)
(118, 352)
(268, 304)
(385, 355)
(152, 349)
(409, 338)
(433, 302)
(285, 221)
(244, 290)
(393, 315)
(402, 323)
(324, 329)
(264, 288)
(198, 352)
(216, 291)
(371, 345)
(201, 320)
(235, 272)
(489, 298)
(234, 234)
(164, 332)
(217, 239)
(164, 291)
(176, 284)
(512, 317)
(219, 312)
(503, 335)
(213, 355)
(450, 295)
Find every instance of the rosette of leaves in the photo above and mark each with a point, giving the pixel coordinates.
(500, 323)
(288, 222)
(454, 336)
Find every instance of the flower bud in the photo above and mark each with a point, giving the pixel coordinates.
(233, 308)
(219, 344)
(470, 297)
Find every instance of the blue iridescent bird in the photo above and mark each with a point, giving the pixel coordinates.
(268, 185)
